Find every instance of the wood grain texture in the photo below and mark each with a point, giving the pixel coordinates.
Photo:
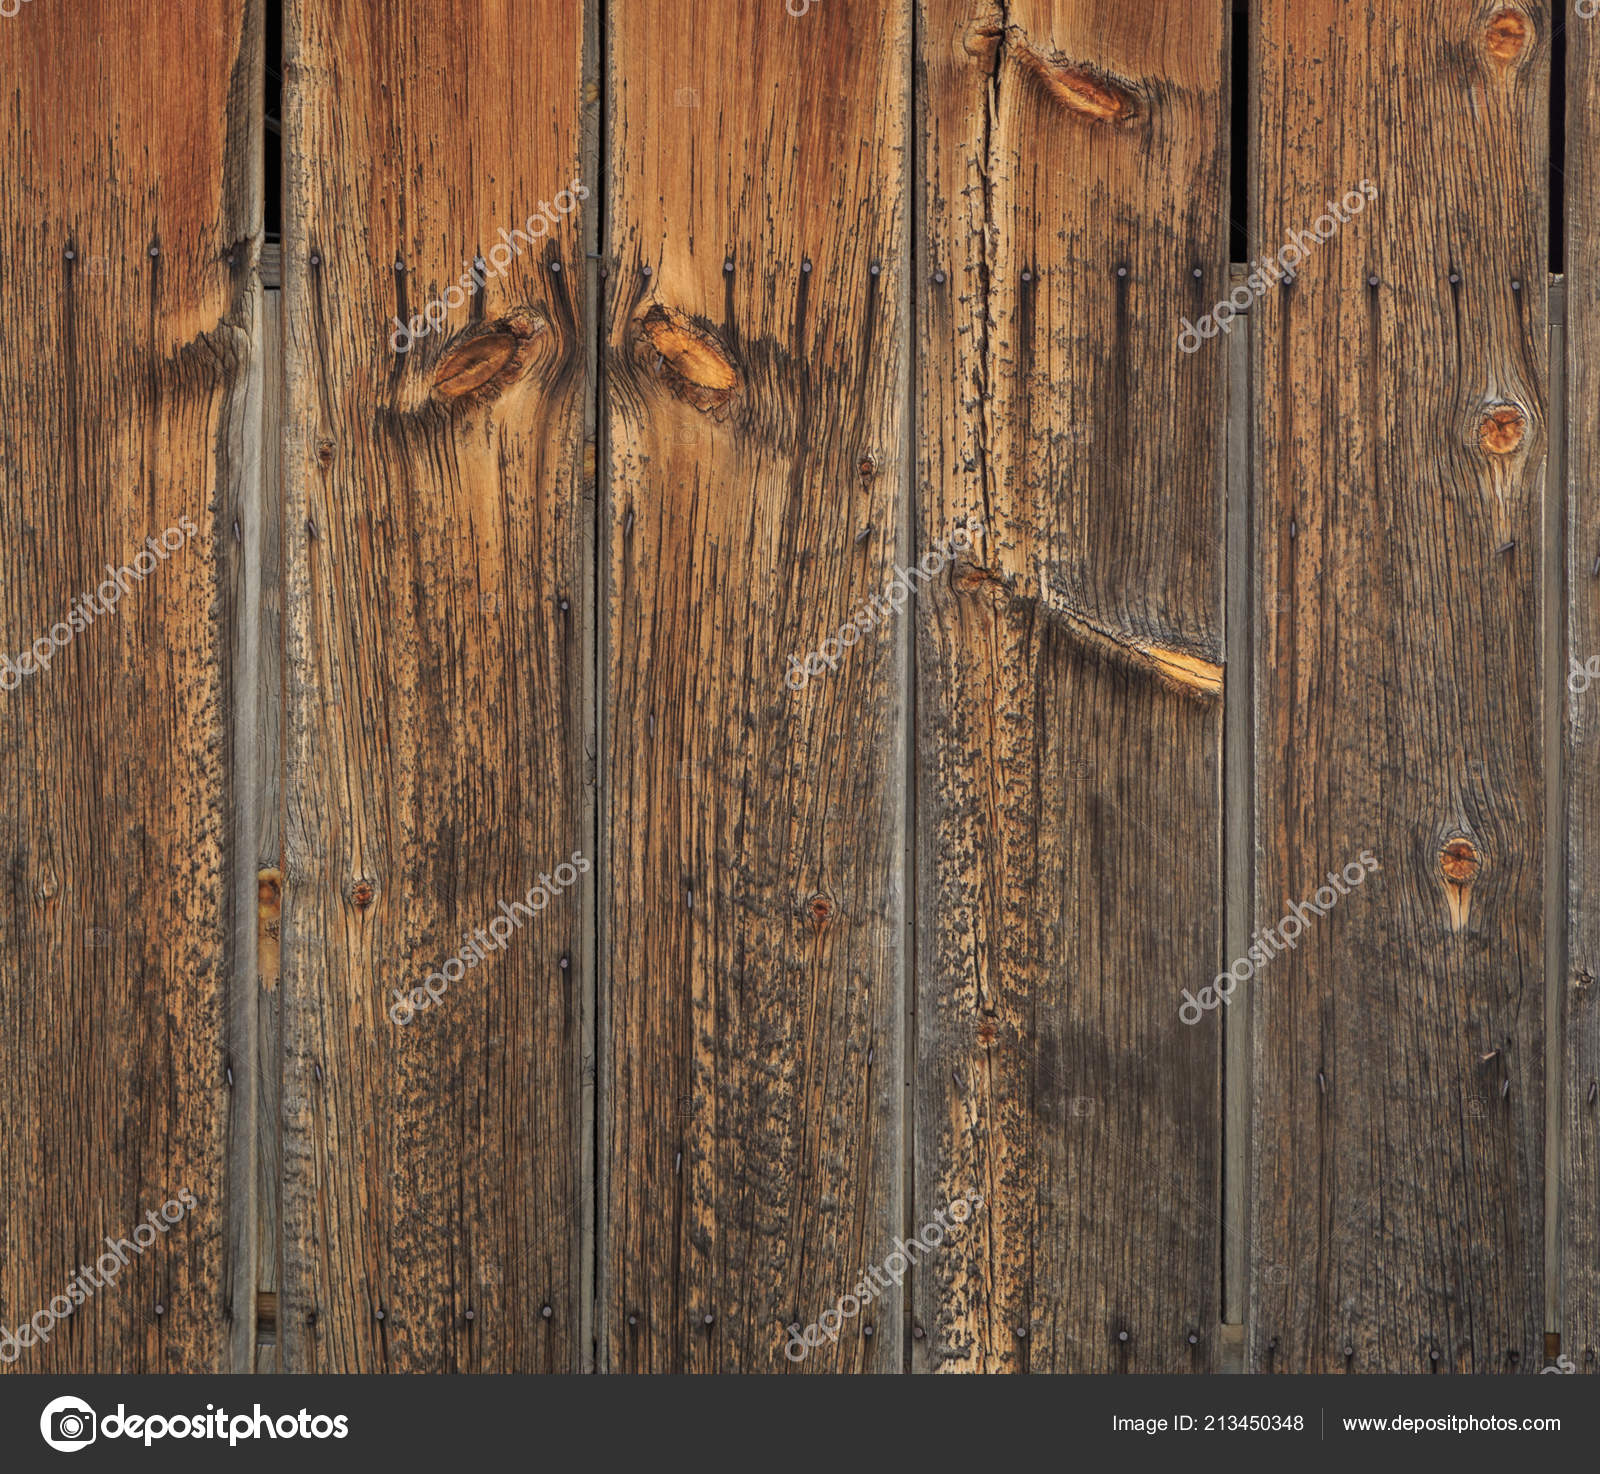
(260, 787)
(1399, 450)
(1578, 1092)
(752, 1085)
(129, 306)
(1069, 712)
(438, 648)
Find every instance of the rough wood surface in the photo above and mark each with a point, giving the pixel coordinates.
(1578, 1094)
(260, 762)
(1069, 706)
(1400, 441)
(758, 188)
(128, 300)
(436, 563)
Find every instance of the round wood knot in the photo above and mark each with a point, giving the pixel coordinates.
(1500, 431)
(325, 449)
(361, 894)
(987, 1032)
(821, 909)
(1506, 36)
(1459, 861)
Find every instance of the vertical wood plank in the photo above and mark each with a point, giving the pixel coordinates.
(436, 563)
(1069, 698)
(260, 754)
(1400, 388)
(130, 305)
(1578, 1101)
(757, 194)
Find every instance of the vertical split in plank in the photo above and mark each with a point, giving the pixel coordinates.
(1070, 683)
(1578, 1102)
(1400, 393)
(752, 1086)
(127, 285)
(259, 761)
(436, 567)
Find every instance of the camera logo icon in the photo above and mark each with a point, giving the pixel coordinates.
(68, 1424)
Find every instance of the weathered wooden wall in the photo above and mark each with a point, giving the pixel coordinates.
(818, 289)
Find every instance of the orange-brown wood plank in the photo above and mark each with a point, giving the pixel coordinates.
(129, 307)
(1400, 389)
(437, 568)
(758, 189)
(1074, 164)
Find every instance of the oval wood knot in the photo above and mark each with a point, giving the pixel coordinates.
(1500, 431)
